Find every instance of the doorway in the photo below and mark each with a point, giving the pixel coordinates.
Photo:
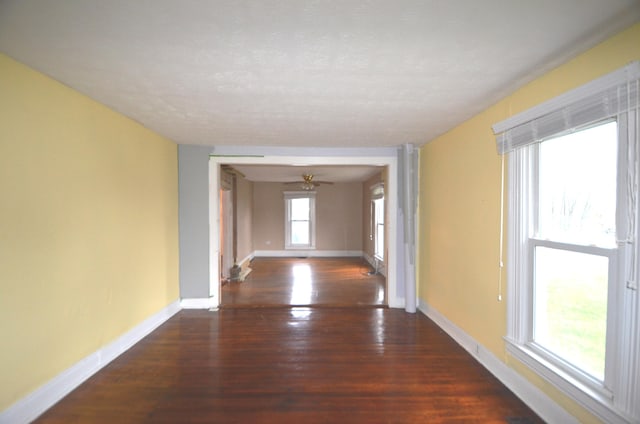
(393, 297)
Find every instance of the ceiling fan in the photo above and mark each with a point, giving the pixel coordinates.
(308, 182)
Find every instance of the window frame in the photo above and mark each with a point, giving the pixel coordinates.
(288, 196)
(612, 96)
(377, 194)
(378, 228)
(611, 400)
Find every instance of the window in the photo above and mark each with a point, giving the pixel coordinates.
(300, 217)
(378, 206)
(573, 245)
(573, 303)
(377, 221)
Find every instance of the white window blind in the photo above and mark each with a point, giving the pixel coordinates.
(614, 93)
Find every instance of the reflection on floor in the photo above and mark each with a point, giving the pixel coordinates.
(307, 281)
(293, 365)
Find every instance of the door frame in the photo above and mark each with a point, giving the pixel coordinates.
(394, 299)
(227, 223)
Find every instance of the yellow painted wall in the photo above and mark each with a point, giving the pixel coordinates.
(88, 227)
(460, 206)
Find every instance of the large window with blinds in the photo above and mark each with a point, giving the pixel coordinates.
(573, 303)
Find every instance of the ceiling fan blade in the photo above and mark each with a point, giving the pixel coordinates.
(317, 183)
(308, 179)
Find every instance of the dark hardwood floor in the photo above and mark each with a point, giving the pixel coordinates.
(257, 361)
(293, 365)
(305, 282)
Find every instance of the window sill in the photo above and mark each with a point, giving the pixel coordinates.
(597, 401)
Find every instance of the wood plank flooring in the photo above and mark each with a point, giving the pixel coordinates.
(293, 365)
(306, 281)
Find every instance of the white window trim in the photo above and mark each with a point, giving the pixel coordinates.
(616, 402)
(311, 195)
(600, 401)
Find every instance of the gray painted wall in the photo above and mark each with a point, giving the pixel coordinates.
(193, 186)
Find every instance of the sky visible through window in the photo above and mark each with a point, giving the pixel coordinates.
(577, 201)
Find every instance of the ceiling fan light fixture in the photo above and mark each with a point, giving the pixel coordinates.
(307, 186)
(308, 183)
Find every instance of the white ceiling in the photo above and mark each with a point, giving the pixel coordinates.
(359, 73)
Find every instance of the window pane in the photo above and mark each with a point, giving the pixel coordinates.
(570, 306)
(379, 241)
(577, 191)
(379, 227)
(300, 209)
(379, 212)
(300, 232)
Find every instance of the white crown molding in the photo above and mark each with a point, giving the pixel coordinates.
(37, 402)
(537, 400)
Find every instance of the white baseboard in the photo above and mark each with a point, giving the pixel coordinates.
(36, 403)
(311, 253)
(243, 274)
(396, 303)
(537, 400)
(247, 259)
(198, 303)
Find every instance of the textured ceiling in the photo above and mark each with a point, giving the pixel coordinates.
(302, 73)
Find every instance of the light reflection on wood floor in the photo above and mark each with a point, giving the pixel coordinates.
(291, 366)
(305, 282)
